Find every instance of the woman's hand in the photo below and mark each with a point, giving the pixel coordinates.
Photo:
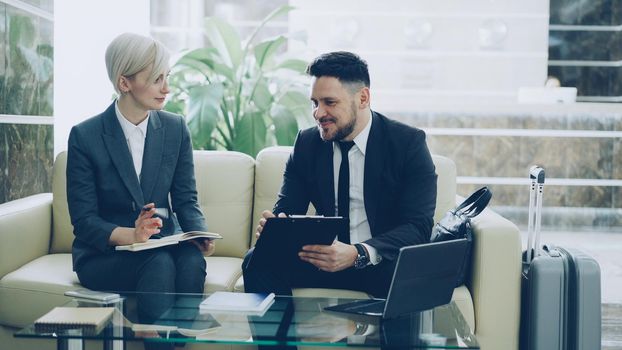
(206, 246)
(146, 225)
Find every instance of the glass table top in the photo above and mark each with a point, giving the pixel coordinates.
(288, 321)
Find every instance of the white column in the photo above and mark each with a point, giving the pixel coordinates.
(82, 30)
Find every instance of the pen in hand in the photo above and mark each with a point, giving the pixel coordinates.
(159, 212)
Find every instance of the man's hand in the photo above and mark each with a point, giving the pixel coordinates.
(262, 222)
(331, 258)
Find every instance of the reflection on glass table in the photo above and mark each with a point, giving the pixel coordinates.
(289, 321)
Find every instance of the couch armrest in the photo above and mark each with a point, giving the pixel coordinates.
(25, 230)
(495, 281)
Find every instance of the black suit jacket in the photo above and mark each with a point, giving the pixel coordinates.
(103, 191)
(399, 183)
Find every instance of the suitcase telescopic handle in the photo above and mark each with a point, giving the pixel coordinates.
(536, 175)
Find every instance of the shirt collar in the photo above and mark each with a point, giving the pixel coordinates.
(361, 139)
(127, 126)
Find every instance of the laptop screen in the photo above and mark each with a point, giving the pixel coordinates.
(424, 277)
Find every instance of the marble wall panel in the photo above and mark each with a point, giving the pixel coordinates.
(457, 148)
(45, 58)
(496, 156)
(592, 12)
(617, 169)
(590, 81)
(29, 58)
(544, 121)
(585, 45)
(589, 158)
(3, 50)
(549, 153)
(26, 158)
(45, 5)
(589, 196)
(587, 121)
(566, 207)
(443, 120)
(419, 120)
(617, 153)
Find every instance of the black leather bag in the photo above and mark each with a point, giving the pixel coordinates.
(456, 224)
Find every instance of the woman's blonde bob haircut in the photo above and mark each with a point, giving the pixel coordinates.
(130, 53)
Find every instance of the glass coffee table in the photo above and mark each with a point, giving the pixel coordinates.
(293, 321)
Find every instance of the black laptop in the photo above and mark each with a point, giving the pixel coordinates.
(424, 277)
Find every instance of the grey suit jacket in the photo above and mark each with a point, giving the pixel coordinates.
(103, 191)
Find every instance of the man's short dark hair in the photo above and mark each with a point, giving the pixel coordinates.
(343, 65)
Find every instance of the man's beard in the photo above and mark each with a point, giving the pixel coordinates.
(344, 131)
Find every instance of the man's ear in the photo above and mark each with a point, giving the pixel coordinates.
(364, 97)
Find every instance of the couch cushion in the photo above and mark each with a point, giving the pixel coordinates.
(464, 302)
(62, 231)
(225, 182)
(269, 168)
(222, 273)
(35, 288)
(225, 188)
(446, 185)
(24, 224)
(38, 286)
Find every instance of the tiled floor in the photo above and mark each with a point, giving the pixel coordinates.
(606, 248)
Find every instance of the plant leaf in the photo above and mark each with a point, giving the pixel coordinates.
(296, 65)
(261, 96)
(299, 106)
(250, 134)
(225, 40)
(279, 11)
(264, 51)
(285, 125)
(203, 103)
(175, 106)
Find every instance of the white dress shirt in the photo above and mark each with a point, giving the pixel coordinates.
(359, 226)
(135, 136)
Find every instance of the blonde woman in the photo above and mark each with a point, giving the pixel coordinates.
(123, 164)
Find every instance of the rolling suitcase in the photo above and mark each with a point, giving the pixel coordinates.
(560, 306)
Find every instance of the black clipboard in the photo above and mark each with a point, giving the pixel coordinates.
(282, 238)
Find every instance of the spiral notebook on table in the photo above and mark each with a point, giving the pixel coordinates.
(90, 319)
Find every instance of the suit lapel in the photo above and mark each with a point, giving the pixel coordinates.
(154, 148)
(119, 152)
(374, 163)
(326, 178)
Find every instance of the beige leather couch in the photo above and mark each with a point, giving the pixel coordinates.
(36, 236)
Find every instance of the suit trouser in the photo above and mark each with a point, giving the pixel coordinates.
(281, 278)
(178, 268)
(263, 278)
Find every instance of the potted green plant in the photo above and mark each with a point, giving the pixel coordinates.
(240, 95)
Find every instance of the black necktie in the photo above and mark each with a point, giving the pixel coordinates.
(343, 189)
